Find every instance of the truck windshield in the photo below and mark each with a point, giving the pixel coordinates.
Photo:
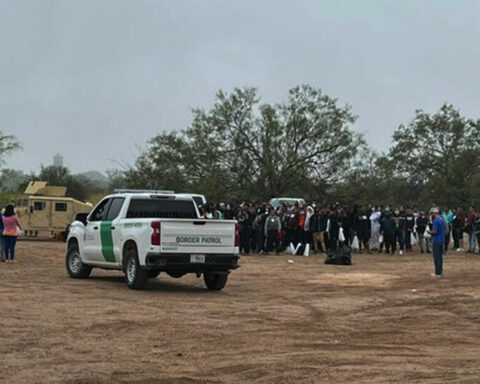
(163, 209)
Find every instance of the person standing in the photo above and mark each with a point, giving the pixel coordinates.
(447, 217)
(2, 253)
(317, 245)
(458, 223)
(273, 227)
(470, 227)
(438, 239)
(375, 225)
(363, 230)
(409, 229)
(10, 232)
(388, 229)
(422, 223)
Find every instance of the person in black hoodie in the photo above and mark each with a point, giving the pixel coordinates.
(363, 229)
(333, 229)
(399, 218)
(422, 222)
(388, 230)
(409, 227)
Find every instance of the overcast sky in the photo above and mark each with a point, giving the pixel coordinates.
(94, 80)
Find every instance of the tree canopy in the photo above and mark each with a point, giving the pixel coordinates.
(243, 149)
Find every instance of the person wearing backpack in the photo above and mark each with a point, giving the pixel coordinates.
(273, 226)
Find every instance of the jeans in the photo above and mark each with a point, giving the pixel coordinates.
(408, 240)
(438, 258)
(421, 240)
(401, 239)
(390, 243)
(9, 246)
(272, 238)
(471, 240)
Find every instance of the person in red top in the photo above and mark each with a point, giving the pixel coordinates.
(10, 232)
(470, 226)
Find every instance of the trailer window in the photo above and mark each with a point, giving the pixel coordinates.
(38, 205)
(60, 207)
(162, 209)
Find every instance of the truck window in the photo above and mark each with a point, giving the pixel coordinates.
(99, 212)
(162, 209)
(60, 207)
(115, 207)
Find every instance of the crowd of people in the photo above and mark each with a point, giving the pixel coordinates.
(314, 228)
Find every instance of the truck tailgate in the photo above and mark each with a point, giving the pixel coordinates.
(199, 236)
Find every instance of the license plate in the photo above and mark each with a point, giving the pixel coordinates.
(197, 259)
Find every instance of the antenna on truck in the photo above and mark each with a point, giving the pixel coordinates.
(152, 191)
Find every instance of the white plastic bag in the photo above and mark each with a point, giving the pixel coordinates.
(427, 235)
(307, 250)
(355, 244)
(292, 249)
(341, 235)
(413, 239)
(380, 239)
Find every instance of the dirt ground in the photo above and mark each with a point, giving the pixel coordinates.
(382, 320)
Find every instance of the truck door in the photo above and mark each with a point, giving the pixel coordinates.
(92, 250)
(110, 233)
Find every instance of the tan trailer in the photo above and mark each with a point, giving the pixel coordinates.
(42, 210)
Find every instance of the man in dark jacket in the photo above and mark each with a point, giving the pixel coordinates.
(333, 229)
(399, 218)
(409, 227)
(422, 222)
(388, 229)
(363, 229)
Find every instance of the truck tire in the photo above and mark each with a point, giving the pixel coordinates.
(135, 276)
(75, 268)
(153, 274)
(215, 281)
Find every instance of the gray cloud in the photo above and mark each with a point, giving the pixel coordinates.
(95, 79)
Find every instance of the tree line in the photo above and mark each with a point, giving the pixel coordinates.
(242, 149)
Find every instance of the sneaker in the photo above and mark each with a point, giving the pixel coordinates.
(435, 275)
(459, 250)
(400, 252)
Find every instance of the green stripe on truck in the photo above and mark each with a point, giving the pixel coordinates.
(107, 241)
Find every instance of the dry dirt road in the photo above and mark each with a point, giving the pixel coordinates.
(383, 320)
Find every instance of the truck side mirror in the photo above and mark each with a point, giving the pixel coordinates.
(82, 217)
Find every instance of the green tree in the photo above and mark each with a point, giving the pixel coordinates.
(438, 155)
(242, 149)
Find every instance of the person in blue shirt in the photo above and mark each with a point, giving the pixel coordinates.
(438, 241)
(2, 253)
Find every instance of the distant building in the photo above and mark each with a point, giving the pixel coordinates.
(58, 160)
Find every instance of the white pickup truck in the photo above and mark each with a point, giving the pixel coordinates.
(145, 233)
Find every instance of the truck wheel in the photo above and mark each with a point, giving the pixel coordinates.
(75, 268)
(153, 274)
(215, 281)
(135, 276)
